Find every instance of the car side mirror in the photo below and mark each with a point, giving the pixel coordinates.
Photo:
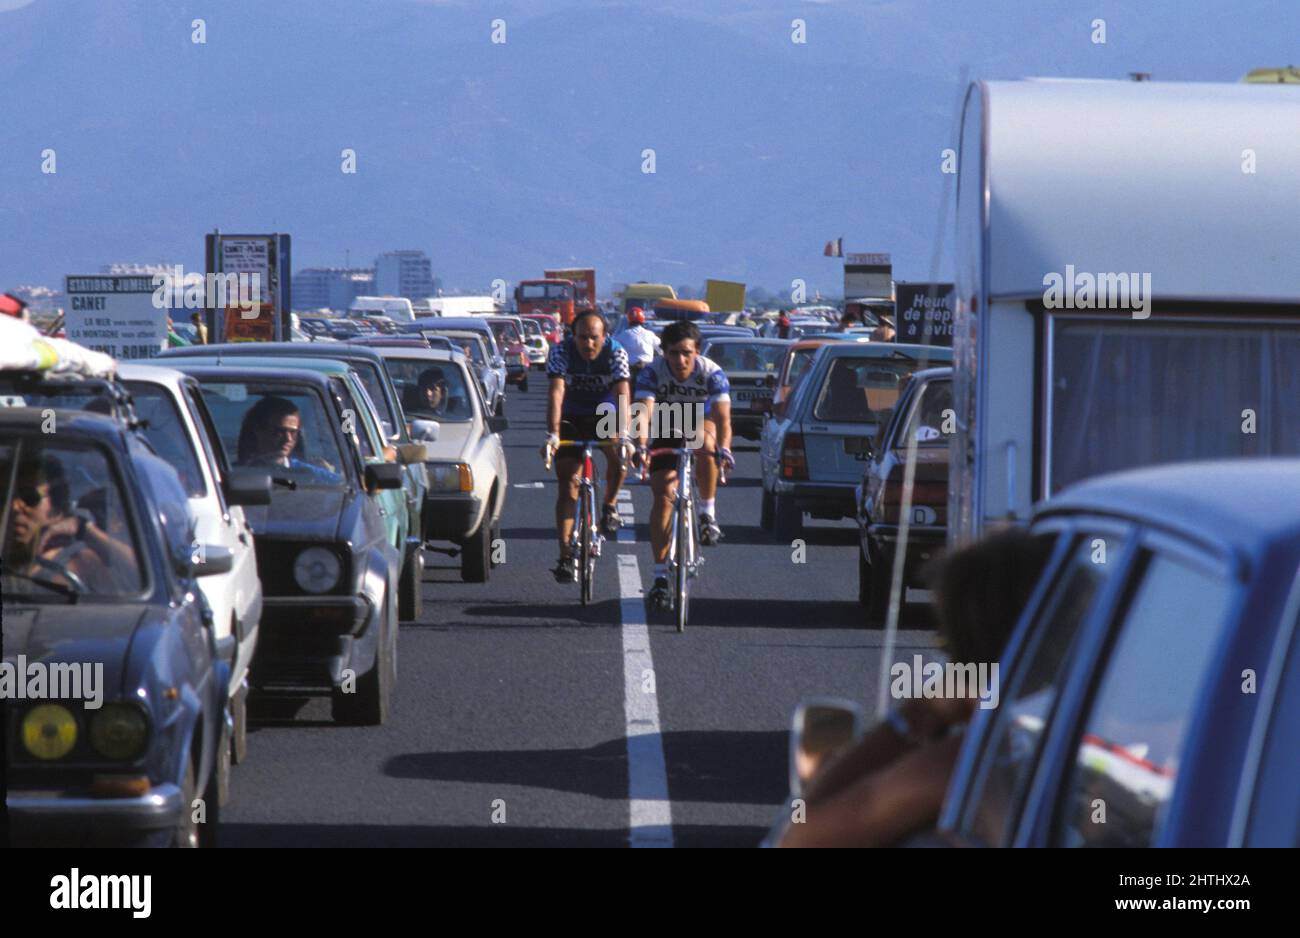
(411, 453)
(425, 431)
(498, 424)
(383, 475)
(245, 486)
(208, 559)
(821, 727)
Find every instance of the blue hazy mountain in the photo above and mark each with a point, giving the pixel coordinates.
(501, 158)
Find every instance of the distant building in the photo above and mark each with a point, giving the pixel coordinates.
(330, 287)
(404, 273)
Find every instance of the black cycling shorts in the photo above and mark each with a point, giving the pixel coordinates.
(578, 428)
(669, 460)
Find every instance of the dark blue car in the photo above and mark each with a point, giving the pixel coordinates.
(114, 736)
(1150, 695)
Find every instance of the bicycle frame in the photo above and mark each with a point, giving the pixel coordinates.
(585, 540)
(684, 557)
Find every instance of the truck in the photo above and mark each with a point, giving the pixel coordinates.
(554, 296)
(644, 295)
(1111, 311)
(584, 286)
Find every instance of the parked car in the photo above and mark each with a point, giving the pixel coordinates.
(1155, 671)
(812, 454)
(329, 570)
(466, 462)
(177, 424)
(924, 412)
(119, 594)
(363, 359)
(750, 365)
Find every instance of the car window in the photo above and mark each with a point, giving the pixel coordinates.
(1128, 756)
(740, 356)
(1009, 757)
(928, 416)
(67, 524)
(368, 371)
(431, 390)
(167, 433)
(799, 363)
(256, 421)
(860, 390)
(354, 419)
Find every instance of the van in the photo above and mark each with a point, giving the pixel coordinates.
(396, 308)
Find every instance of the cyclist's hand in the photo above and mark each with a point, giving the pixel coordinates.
(550, 446)
(627, 451)
(725, 458)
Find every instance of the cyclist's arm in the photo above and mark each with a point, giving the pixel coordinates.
(722, 418)
(554, 402)
(621, 395)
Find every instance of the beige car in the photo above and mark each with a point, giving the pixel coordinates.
(466, 463)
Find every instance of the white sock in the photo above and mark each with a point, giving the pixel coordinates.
(706, 507)
(661, 571)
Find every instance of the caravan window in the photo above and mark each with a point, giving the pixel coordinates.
(1128, 393)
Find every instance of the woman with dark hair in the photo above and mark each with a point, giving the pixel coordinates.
(891, 783)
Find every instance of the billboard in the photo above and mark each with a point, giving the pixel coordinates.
(923, 313)
(115, 314)
(868, 275)
(724, 296)
(255, 259)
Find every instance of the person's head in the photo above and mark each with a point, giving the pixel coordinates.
(270, 430)
(636, 316)
(433, 388)
(589, 334)
(681, 344)
(981, 589)
(196, 317)
(40, 497)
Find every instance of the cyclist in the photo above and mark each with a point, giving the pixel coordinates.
(640, 343)
(683, 377)
(586, 370)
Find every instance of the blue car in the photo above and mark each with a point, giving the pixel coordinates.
(1150, 695)
(119, 744)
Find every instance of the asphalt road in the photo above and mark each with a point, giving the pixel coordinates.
(514, 704)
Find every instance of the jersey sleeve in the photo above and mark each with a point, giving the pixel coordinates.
(717, 386)
(645, 382)
(557, 364)
(619, 368)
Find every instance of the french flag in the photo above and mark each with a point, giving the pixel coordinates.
(834, 248)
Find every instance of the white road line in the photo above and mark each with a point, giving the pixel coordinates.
(651, 813)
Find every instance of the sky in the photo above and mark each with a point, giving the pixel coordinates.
(501, 158)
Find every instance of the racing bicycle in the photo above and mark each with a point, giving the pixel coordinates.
(585, 541)
(684, 556)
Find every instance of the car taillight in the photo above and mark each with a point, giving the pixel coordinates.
(794, 462)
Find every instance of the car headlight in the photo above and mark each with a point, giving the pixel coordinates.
(317, 570)
(119, 731)
(451, 477)
(49, 731)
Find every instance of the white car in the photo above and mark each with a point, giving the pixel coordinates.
(466, 462)
(180, 429)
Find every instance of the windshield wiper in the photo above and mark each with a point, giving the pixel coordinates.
(63, 588)
(290, 484)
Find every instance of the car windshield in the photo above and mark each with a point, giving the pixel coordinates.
(532, 329)
(374, 382)
(860, 390)
(799, 362)
(68, 395)
(431, 389)
(929, 417)
(67, 532)
(742, 356)
(167, 433)
(546, 291)
(471, 345)
(279, 426)
(506, 333)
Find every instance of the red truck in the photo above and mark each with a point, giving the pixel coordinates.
(545, 296)
(584, 286)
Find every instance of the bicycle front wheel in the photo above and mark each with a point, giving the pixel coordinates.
(586, 554)
(684, 560)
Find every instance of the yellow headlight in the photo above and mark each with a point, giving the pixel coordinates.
(49, 731)
(118, 731)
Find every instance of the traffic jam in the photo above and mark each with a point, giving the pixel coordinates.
(1009, 556)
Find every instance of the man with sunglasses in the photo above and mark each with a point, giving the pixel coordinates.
(271, 432)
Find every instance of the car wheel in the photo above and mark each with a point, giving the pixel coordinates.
(878, 573)
(476, 555)
(368, 704)
(410, 589)
(523, 385)
(501, 406)
(186, 834)
(787, 519)
(496, 536)
(222, 771)
(765, 512)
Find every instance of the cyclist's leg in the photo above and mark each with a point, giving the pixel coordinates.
(706, 466)
(614, 474)
(663, 488)
(566, 475)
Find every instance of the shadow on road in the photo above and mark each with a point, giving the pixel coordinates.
(488, 835)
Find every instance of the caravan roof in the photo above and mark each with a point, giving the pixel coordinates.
(1196, 184)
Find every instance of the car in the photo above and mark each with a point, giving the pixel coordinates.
(538, 346)
(797, 357)
(924, 411)
(329, 569)
(177, 424)
(811, 455)
(466, 463)
(750, 365)
(363, 359)
(714, 332)
(509, 333)
(446, 325)
(130, 771)
(491, 379)
(1155, 672)
(550, 325)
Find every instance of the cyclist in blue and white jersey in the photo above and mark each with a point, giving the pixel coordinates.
(586, 370)
(700, 416)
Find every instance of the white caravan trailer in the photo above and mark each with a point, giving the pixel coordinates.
(456, 306)
(1063, 368)
(396, 308)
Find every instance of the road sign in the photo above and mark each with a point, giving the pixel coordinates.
(924, 313)
(115, 315)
